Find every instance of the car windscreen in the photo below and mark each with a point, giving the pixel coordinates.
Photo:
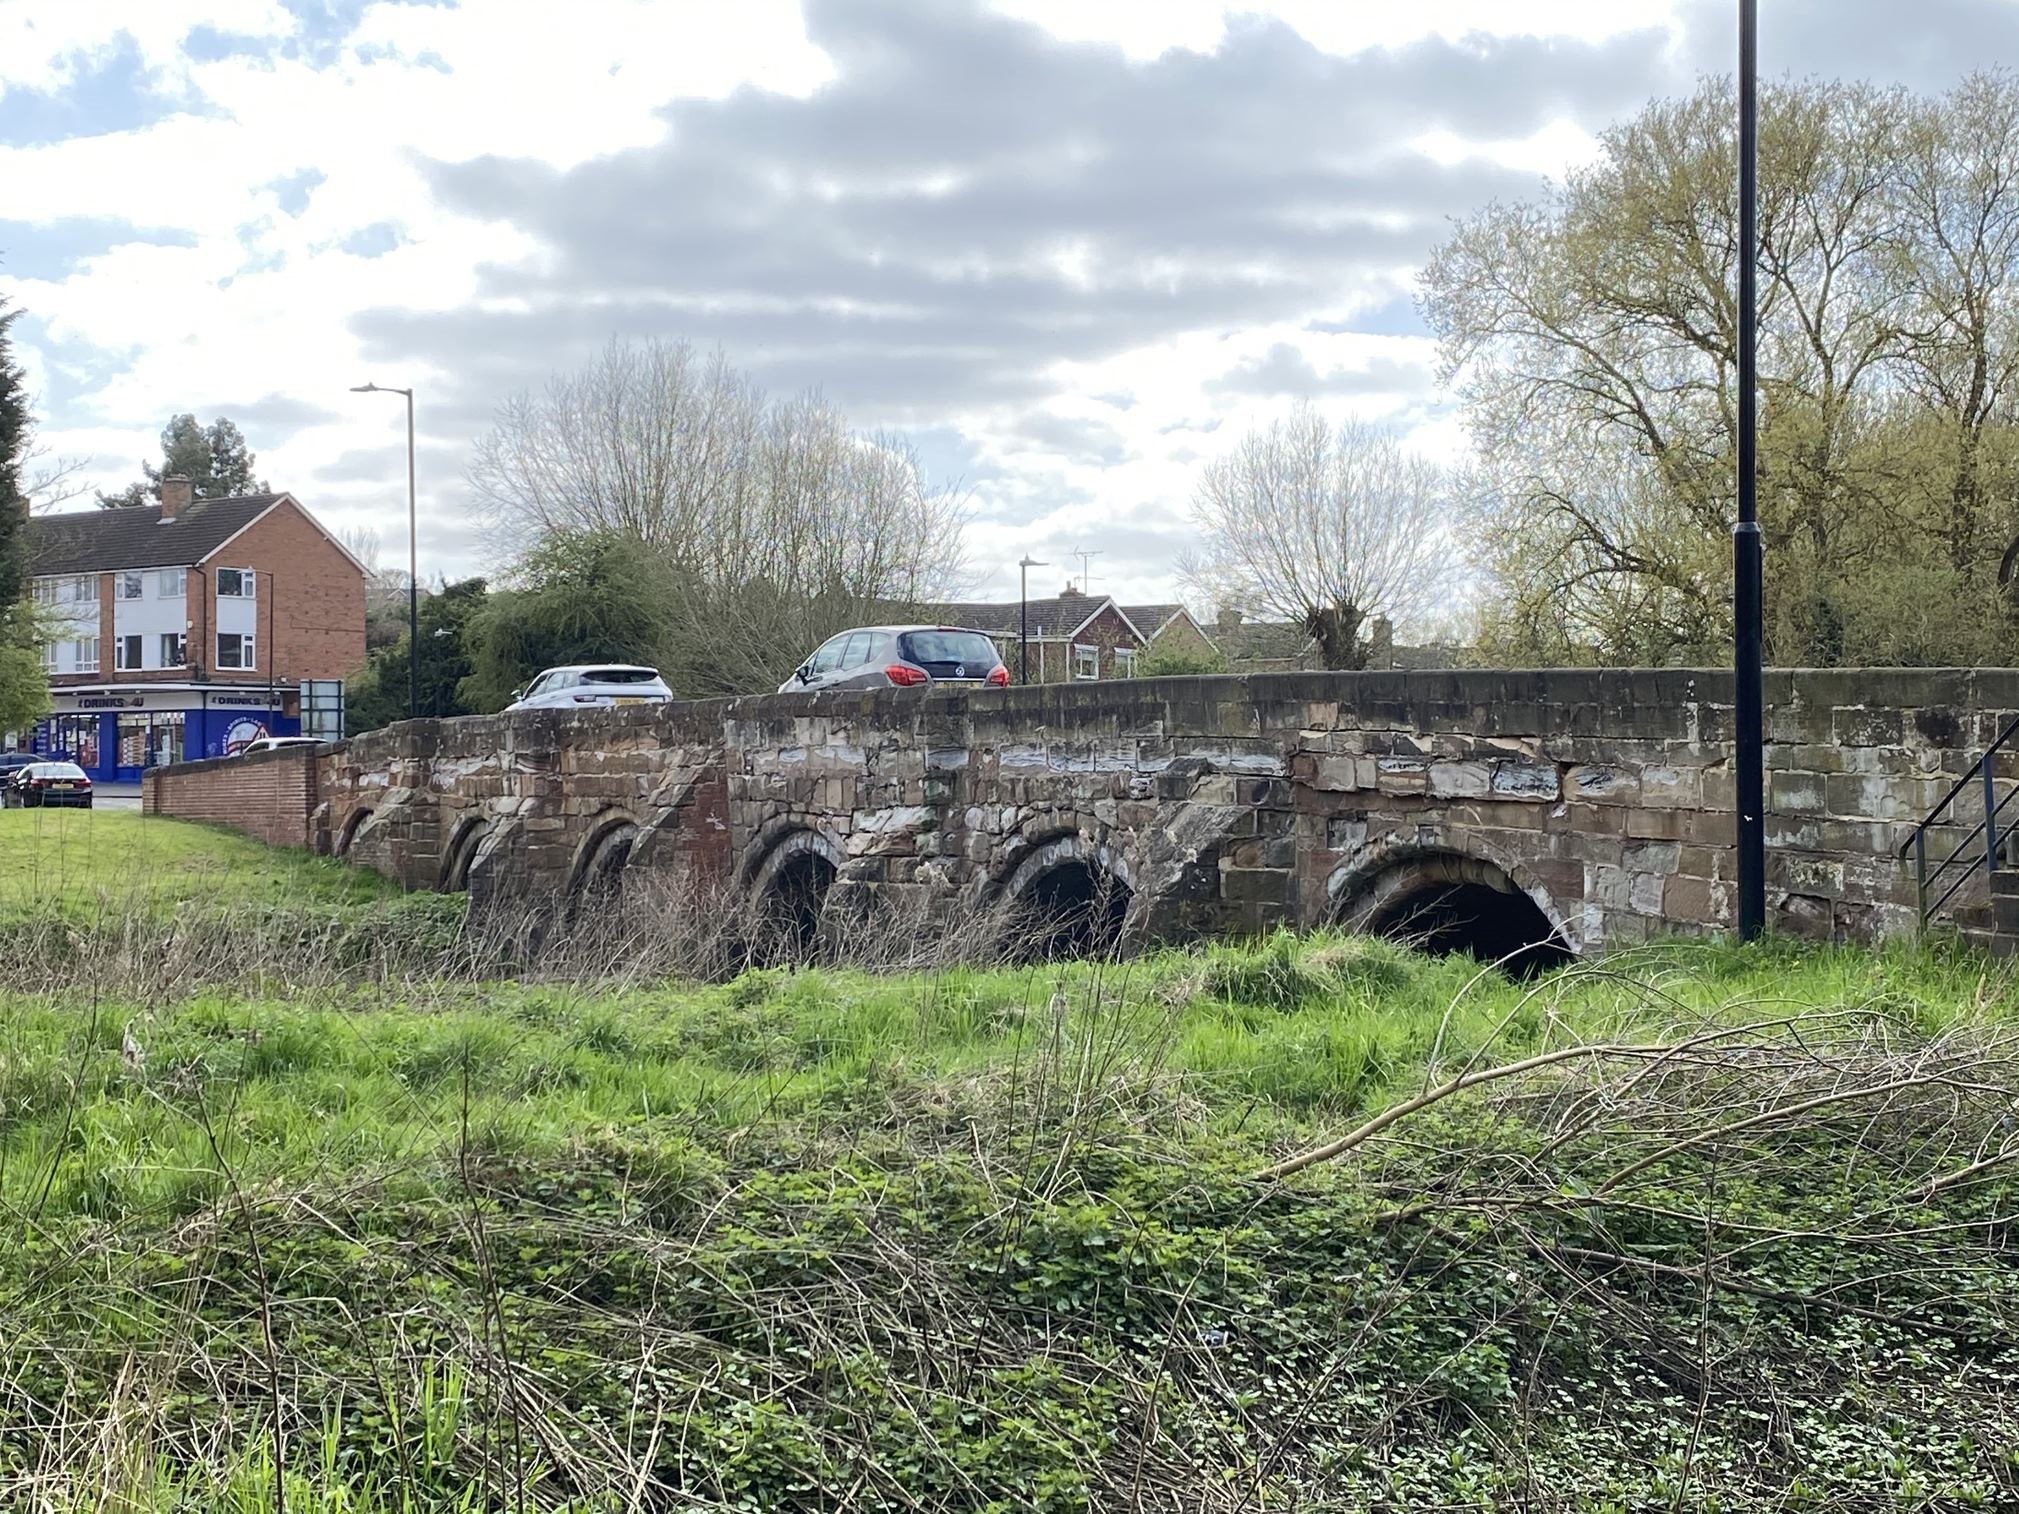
(57, 770)
(619, 675)
(941, 652)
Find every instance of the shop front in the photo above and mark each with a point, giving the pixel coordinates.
(115, 735)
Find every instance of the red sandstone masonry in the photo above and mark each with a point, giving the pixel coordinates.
(1224, 803)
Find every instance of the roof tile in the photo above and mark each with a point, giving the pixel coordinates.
(134, 536)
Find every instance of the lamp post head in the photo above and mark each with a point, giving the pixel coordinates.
(364, 388)
(1032, 562)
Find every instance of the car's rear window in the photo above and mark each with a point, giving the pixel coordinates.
(968, 648)
(58, 770)
(619, 675)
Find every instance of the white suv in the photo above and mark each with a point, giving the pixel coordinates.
(275, 743)
(599, 683)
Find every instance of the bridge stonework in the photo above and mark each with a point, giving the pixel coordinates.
(1595, 806)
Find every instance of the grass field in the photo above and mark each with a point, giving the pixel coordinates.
(88, 863)
(1731, 1232)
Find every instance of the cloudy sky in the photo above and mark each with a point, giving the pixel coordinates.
(1070, 247)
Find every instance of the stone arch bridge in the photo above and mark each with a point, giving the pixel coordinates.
(1568, 810)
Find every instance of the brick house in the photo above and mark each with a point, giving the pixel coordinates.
(188, 627)
(1171, 629)
(1074, 637)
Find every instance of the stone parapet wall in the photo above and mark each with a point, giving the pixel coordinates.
(1228, 803)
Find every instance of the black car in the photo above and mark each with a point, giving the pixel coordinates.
(12, 763)
(47, 784)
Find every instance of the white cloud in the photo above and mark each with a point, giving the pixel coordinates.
(229, 291)
(44, 44)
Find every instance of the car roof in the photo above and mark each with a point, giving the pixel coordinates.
(587, 667)
(920, 626)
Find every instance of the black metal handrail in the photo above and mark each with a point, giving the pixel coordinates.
(1962, 856)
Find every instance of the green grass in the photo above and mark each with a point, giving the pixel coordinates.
(90, 864)
(819, 1240)
(824, 1240)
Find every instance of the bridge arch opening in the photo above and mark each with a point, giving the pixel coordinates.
(1447, 903)
(462, 854)
(353, 823)
(1067, 898)
(599, 866)
(788, 892)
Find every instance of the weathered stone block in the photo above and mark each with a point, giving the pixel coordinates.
(1461, 780)
(1603, 783)
(1863, 725)
(1796, 794)
(1653, 856)
(1402, 775)
(1644, 894)
(1345, 833)
(1259, 884)
(1513, 779)
(1702, 900)
(1666, 786)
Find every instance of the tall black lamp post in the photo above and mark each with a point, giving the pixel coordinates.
(413, 558)
(1748, 699)
(1024, 615)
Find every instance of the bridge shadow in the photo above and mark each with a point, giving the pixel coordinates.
(1448, 903)
(1073, 910)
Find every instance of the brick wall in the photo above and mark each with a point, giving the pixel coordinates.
(270, 795)
(311, 605)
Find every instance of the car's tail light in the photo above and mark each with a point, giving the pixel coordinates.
(587, 698)
(84, 783)
(999, 676)
(905, 676)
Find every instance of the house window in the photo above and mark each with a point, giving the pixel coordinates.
(49, 656)
(1086, 661)
(234, 583)
(173, 648)
(85, 651)
(1125, 662)
(126, 653)
(126, 585)
(171, 582)
(234, 651)
(65, 591)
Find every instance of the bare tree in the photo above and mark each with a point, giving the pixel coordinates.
(1324, 528)
(49, 482)
(777, 523)
(385, 588)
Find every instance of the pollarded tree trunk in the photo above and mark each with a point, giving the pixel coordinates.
(1336, 629)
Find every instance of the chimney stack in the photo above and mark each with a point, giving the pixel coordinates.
(177, 494)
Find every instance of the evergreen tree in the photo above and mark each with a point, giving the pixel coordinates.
(378, 695)
(14, 429)
(24, 685)
(214, 458)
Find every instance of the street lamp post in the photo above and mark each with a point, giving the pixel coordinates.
(1024, 615)
(413, 557)
(1748, 697)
